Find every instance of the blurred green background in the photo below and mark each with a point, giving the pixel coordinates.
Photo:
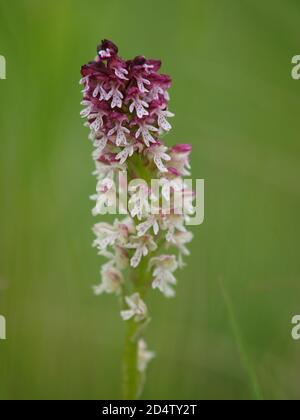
(236, 102)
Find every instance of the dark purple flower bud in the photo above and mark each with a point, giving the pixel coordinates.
(174, 171)
(107, 49)
(94, 69)
(153, 65)
(108, 158)
(164, 81)
(182, 148)
(138, 61)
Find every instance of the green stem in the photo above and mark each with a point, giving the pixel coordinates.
(132, 382)
(131, 376)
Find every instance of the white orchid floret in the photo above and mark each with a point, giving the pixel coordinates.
(189, 198)
(105, 53)
(180, 162)
(116, 96)
(151, 222)
(105, 185)
(120, 133)
(180, 239)
(158, 153)
(164, 267)
(112, 280)
(139, 106)
(121, 73)
(126, 227)
(100, 92)
(145, 131)
(142, 83)
(95, 121)
(103, 170)
(144, 356)
(156, 92)
(88, 108)
(137, 308)
(99, 145)
(169, 186)
(138, 203)
(178, 198)
(163, 123)
(84, 81)
(142, 245)
(172, 223)
(105, 197)
(126, 153)
(106, 235)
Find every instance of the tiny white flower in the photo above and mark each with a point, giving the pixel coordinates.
(116, 96)
(105, 197)
(139, 105)
(97, 124)
(165, 266)
(144, 356)
(84, 80)
(168, 185)
(99, 145)
(148, 68)
(121, 73)
(141, 82)
(138, 203)
(106, 235)
(180, 239)
(100, 91)
(106, 171)
(88, 108)
(105, 53)
(112, 280)
(162, 119)
(189, 208)
(172, 188)
(86, 88)
(137, 308)
(120, 132)
(144, 131)
(125, 154)
(144, 227)
(115, 235)
(142, 245)
(173, 223)
(180, 161)
(154, 93)
(158, 154)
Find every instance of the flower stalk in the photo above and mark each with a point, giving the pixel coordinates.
(126, 110)
(131, 375)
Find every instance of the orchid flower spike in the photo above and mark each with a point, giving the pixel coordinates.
(126, 109)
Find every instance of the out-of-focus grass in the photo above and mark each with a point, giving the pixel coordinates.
(257, 394)
(235, 101)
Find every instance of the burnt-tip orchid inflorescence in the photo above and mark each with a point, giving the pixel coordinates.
(126, 109)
